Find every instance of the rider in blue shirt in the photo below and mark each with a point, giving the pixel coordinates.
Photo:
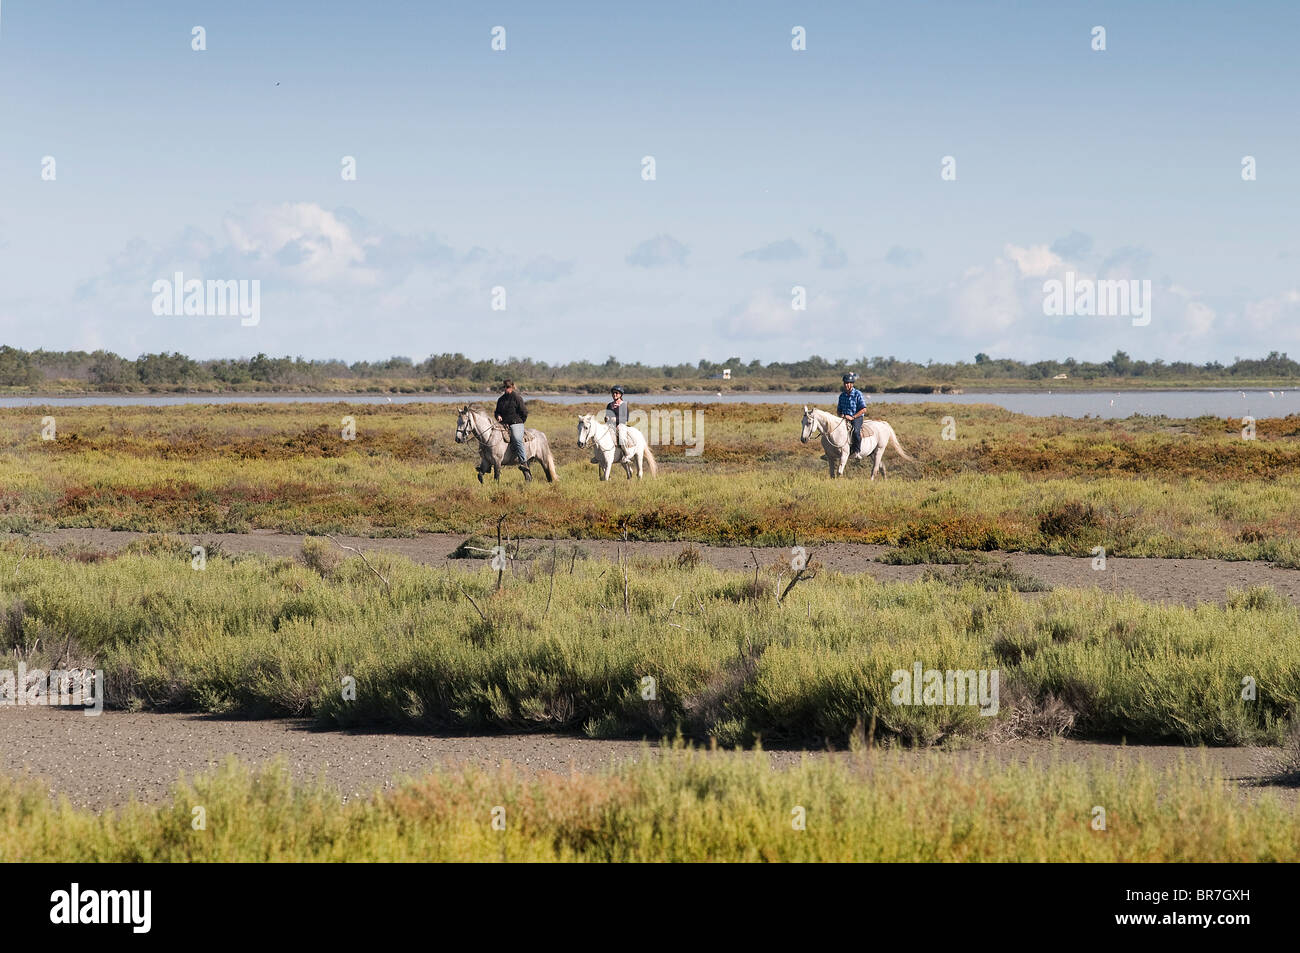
(853, 407)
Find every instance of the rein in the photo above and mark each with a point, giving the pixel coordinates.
(469, 415)
(591, 435)
(839, 422)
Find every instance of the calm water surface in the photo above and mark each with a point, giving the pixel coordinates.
(1183, 403)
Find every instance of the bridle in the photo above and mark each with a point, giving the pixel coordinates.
(469, 425)
(591, 435)
(817, 427)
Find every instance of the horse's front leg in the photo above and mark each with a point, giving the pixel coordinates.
(844, 459)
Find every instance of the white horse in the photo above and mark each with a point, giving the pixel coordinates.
(606, 451)
(495, 449)
(876, 437)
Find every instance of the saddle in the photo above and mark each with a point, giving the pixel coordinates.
(529, 432)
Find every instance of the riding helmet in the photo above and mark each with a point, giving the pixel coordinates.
(850, 378)
(616, 389)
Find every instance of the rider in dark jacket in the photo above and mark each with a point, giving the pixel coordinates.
(512, 412)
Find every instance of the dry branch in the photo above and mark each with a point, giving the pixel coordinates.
(387, 584)
(554, 556)
(500, 550)
(472, 602)
(799, 576)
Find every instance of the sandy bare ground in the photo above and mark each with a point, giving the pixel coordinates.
(1185, 581)
(106, 760)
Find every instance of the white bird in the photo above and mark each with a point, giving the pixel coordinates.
(1112, 401)
(389, 399)
(1271, 394)
(1243, 393)
(719, 393)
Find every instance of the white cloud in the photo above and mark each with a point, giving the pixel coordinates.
(335, 283)
(1035, 261)
(332, 283)
(987, 301)
(1184, 318)
(765, 315)
(1276, 317)
(769, 314)
(304, 240)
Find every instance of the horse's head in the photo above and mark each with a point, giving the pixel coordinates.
(586, 424)
(810, 426)
(463, 429)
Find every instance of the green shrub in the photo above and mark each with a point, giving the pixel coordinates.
(564, 651)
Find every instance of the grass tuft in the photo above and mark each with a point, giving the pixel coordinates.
(683, 805)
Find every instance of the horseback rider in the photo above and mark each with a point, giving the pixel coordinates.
(512, 412)
(853, 408)
(616, 415)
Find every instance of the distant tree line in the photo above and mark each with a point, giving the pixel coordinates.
(108, 371)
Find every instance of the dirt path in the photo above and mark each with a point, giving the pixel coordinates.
(1186, 581)
(106, 760)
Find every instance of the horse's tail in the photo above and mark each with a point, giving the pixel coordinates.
(548, 461)
(893, 439)
(650, 461)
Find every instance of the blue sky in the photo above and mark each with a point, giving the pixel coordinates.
(775, 168)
